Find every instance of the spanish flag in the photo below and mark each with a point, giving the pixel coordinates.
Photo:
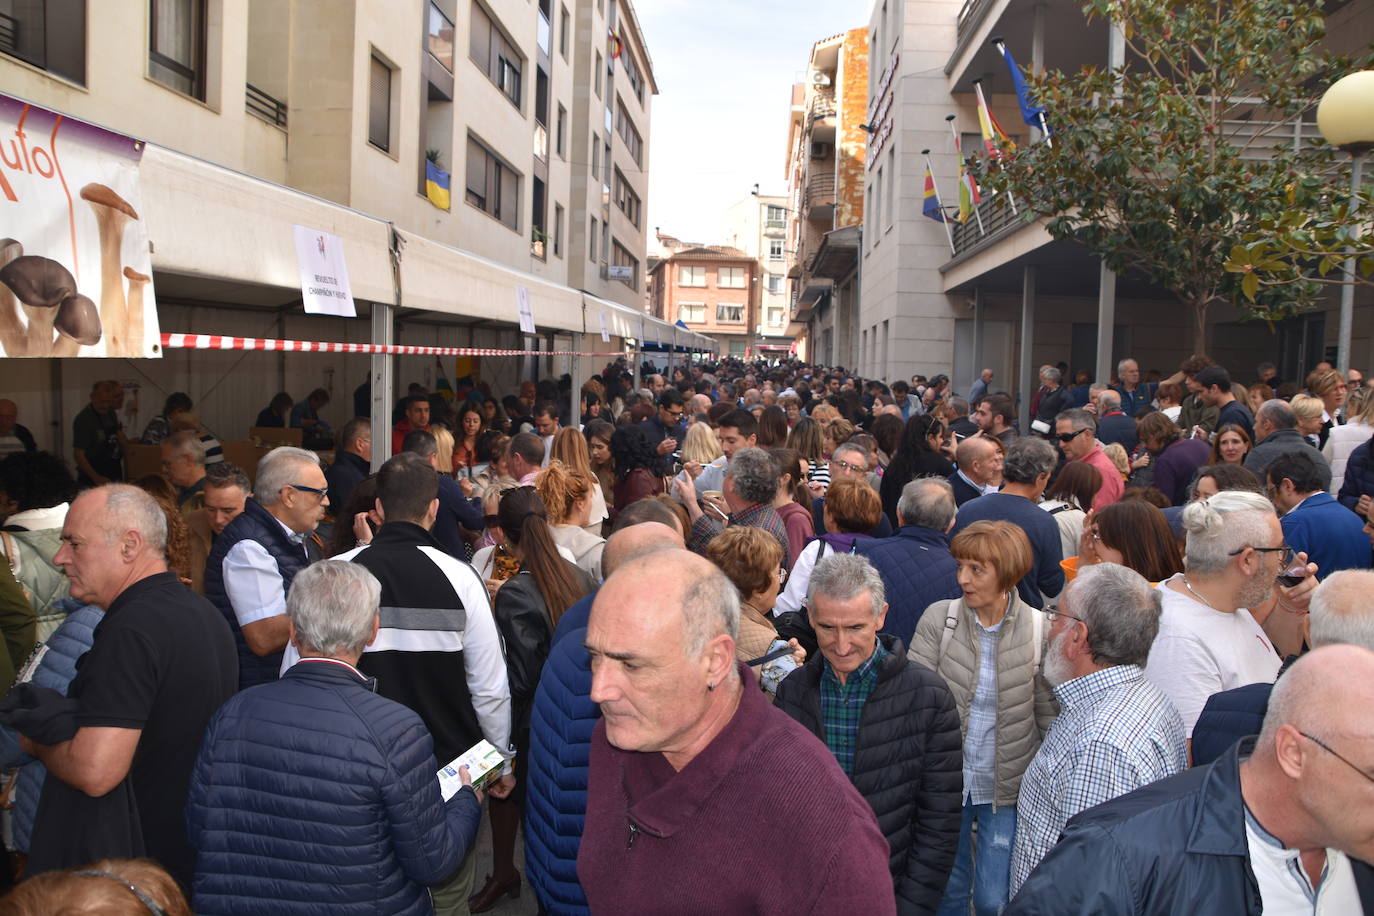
(436, 185)
(994, 137)
(930, 204)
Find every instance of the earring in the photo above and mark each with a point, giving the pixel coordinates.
(711, 685)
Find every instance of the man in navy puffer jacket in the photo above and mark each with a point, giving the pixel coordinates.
(561, 725)
(313, 793)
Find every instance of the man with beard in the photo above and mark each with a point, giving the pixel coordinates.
(1116, 731)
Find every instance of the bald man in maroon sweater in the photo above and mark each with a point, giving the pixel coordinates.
(763, 821)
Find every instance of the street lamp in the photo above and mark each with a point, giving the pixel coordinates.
(1345, 116)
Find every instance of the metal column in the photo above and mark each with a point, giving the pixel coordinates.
(1027, 368)
(1106, 323)
(1347, 313)
(979, 313)
(380, 374)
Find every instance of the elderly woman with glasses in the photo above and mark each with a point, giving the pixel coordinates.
(751, 559)
(988, 645)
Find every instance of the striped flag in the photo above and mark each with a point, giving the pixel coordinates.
(436, 185)
(930, 202)
(994, 137)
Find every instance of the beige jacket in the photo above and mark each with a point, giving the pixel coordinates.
(1025, 703)
(756, 634)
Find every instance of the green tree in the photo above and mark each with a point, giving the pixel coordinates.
(1166, 164)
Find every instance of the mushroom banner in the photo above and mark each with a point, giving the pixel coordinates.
(76, 272)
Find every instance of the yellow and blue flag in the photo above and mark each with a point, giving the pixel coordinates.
(436, 185)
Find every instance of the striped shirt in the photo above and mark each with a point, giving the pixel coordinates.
(842, 705)
(1115, 732)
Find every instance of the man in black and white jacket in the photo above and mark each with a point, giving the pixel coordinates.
(437, 650)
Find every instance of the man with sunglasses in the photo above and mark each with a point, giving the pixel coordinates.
(1115, 731)
(257, 556)
(1282, 823)
(1076, 431)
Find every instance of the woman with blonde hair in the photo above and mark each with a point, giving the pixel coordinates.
(1358, 428)
(443, 458)
(700, 445)
(570, 447)
(111, 887)
(1310, 413)
(567, 495)
(988, 645)
(1330, 386)
(807, 440)
(837, 433)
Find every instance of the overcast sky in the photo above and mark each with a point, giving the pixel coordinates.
(724, 70)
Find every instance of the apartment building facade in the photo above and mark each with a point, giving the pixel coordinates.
(338, 113)
(757, 225)
(827, 144)
(713, 290)
(1008, 296)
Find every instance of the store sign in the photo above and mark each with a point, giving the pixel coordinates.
(324, 273)
(620, 272)
(76, 275)
(880, 113)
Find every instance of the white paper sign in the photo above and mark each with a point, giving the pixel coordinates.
(605, 333)
(522, 304)
(324, 273)
(76, 274)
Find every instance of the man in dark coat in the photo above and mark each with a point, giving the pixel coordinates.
(352, 463)
(915, 564)
(1280, 823)
(902, 747)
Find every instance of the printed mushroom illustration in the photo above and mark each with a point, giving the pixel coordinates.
(40, 284)
(78, 325)
(112, 214)
(12, 339)
(136, 283)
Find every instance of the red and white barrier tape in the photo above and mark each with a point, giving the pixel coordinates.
(217, 342)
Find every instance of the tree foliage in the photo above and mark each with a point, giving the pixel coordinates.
(1166, 165)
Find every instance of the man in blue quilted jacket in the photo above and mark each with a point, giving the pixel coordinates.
(313, 792)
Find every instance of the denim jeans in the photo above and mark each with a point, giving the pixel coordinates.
(982, 868)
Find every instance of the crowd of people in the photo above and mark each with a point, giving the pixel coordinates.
(741, 637)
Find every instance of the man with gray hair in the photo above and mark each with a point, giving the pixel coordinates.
(162, 662)
(1076, 431)
(1115, 731)
(1281, 824)
(915, 564)
(183, 464)
(1338, 614)
(980, 468)
(254, 560)
(751, 482)
(1114, 424)
(848, 460)
(1210, 633)
(315, 791)
(863, 697)
(1048, 401)
(662, 644)
(1276, 433)
(1025, 474)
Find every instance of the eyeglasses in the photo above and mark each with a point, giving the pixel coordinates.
(1283, 550)
(1326, 747)
(1069, 437)
(1052, 611)
(782, 576)
(846, 466)
(316, 490)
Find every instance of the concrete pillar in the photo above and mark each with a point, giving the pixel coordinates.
(380, 373)
(1027, 374)
(979, 310)
(1106, 323)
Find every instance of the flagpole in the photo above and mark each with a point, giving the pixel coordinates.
(949, 236)
(959, 152)
(985, 111)
(1001, 47)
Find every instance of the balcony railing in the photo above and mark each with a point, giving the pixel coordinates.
(9, 34)
(822, 106)
(271, 110)
(997, 220)
(1259, 140)
(970, 15)
(820, 188)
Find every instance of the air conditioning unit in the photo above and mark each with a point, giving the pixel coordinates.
(820, 150)
(820, 79)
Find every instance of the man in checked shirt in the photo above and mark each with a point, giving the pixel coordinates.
(1116, 731)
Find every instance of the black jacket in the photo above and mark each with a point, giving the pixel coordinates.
(347, 471)
(908, 766)
(902, 472)
(963, 490)
(1175, 846)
